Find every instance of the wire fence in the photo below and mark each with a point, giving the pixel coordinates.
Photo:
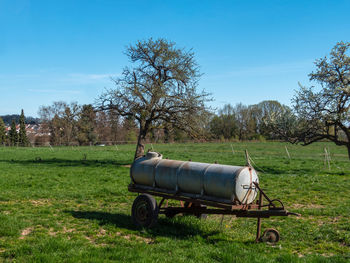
(257, 150)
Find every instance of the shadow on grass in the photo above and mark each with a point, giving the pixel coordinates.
(180, 229)
(66, 163)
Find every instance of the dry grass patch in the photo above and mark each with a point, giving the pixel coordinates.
(40, 202)
(25, 232)
(135, 237)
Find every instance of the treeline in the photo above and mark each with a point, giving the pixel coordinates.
(7, 119)
(74, 124)
(242, 122)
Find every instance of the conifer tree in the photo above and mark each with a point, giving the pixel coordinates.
(22, 136)
(13, 136)
(86, 125)
(2, 132)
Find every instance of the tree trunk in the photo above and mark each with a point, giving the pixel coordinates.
(140, 147)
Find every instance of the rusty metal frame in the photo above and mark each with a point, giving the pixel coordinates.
(222, 207)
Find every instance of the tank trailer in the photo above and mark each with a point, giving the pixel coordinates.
(228, 190)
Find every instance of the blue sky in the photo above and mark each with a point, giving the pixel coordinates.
(249, 51)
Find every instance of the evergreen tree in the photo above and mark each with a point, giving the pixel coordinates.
(2, 132)
(86, 125)
(22, 136)
(13, 136)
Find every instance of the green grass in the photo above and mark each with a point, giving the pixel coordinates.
(71, 204)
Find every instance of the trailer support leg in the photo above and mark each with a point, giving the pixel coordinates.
(258, 230)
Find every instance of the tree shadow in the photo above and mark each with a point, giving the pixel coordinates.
(180, 229)
(69, 163)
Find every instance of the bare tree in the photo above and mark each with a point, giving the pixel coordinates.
(161, 87)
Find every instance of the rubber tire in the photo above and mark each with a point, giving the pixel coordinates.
(144, 212)
(270, 235)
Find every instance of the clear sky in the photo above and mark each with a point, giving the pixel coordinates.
(249, 51)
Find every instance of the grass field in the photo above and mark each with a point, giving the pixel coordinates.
(71, 204)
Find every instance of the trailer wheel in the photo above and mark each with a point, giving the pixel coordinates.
(144, 211)
(270, 235)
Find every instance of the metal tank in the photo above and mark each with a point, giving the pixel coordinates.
(216, 182)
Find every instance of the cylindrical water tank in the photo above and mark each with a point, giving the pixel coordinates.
(224, 182)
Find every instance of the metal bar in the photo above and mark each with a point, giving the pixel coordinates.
(238, 213)
(258, 230)
(140, 188)
(267, 198)
(161, 202)
(170, 195)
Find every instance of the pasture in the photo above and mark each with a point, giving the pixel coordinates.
(71, 204)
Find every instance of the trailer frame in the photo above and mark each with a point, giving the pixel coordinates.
(198, 205)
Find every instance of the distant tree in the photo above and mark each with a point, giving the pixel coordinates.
(56, 131)
(160, 88)
(180, 135)
(168, 133)
(264, 113)
(60, 119)
(324, 113)
(284, 125)
(114, 125)
(86, 125)
(246, 125)
(102, 126)
(2, 132)
(22, 135)
(69, 120)
(224, 125)
(229, 125)
(13, 135)
(129, 129)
